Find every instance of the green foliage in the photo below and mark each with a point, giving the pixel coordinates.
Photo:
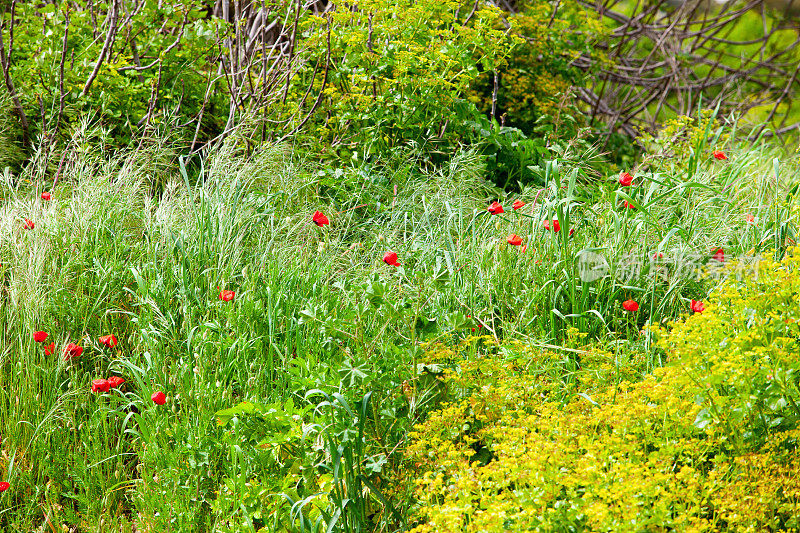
(317, 368)
(398, 73)
(120, 95)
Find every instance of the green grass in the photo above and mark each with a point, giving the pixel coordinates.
(140, 245)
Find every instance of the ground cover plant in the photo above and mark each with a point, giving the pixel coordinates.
(244, 341)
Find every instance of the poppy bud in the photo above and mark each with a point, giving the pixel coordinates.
(159, 398)
(39, 336)
(630, 305)
(100, 385)
(319, 219)
(495, 208)
(390, 258)
(108, 340)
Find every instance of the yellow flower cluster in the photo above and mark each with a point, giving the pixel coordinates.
(706, 443)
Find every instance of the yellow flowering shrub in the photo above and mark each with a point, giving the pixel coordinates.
(706, 443)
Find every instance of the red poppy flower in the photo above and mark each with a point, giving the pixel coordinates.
(698, 307)
(495, 208)
(100, 385)
(625, 179)
(39, 336)
(4, 485)
(556, 225)
(46, 195)
(108, 340)
(658, 255)
(571, 231)
(630, 305)
(719, 155)
(514, 240)
(719, 255)
(517, 204)
(319, 219)
(750, 219)
(50, 348)
(28, 224)
(226, 296)
(159, 398)
(115, 381)
(72, 351)
(524, 248)
(390, 258)
(629, 205)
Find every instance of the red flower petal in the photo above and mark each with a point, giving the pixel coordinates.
(72, 351)
(390, 258)
(556, 225)
(100, 385)
(495, 208)
(108, 340)
(115, 381)
(625, 179)
(630, 305)
(319, 219)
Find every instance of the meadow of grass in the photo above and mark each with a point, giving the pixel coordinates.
(288, 405)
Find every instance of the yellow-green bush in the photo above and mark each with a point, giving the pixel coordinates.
(706, 443)
(397, 72)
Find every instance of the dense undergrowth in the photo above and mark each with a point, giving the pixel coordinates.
(289, 402)
(708, 442)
